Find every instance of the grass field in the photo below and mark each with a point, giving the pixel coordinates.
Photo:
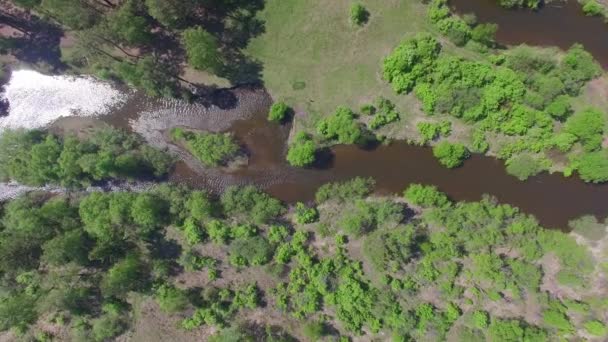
(315, 59)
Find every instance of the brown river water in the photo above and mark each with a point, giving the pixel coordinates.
(552, 198)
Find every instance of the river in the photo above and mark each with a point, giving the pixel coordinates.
(553, 199)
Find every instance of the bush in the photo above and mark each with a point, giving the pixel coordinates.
(450, 155)
(302, 151)
(278, 112)
(126, 275)
(589, 227)
(588, 127)
(341, 125)
(201, 49)
(596, 328)
(39, 158)
(253, 250)
(592, 167)
(314, 330)
(171, 299)
(557, 320)
(592, 8)
(480, 319)
(485, 34)
(560, 108)
(410, 61)
(251, 202)
(304, 214)
(455, 29)
(212, 149)
(358, 14)
(523, 166)
(425, 196)
(430, 131)
(345, 191)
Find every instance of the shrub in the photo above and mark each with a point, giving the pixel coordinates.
(389, 247)
(252, 250)
(560, 108)
(410, 61)
(212, 149)
(358, 14)
(171, 299)
(485, 34)
(201, 49)
(596, 328)
(592, 167)
(523, 166)
(588, 127)
(368, 109)
(251, 202)
(455, 29)
(430, 131)
(558, 320)
(341, 125)
(302, 151)
(450, 155)
(278, 112)
(345, 191)
(589, 227)
(193, 233)
(304, 214)
(592, 8)
(480, 319)
(126, 275)
(425, 196)
(314, 330)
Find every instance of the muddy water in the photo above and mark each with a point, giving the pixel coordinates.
(557, 23)
(553, 199)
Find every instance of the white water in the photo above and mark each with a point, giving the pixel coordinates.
(37, 100)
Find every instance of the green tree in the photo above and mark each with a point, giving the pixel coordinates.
(170, 13)
(171, 299)
(358, 14)
(251, 202)
(147, 212)
(202, 49)
(588, 126)
(129, 274)
(425, 196)
(129, 25)
(450, 155)
(278, 112)
(523, 166)
(74, 13)
(341, 125)
(302, 151)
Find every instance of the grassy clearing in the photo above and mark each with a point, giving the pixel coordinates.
(315, 59)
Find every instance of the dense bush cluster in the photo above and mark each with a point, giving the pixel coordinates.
(39, 158)
(522, 96)
(342, 127)
(212, 149)
(302, 151)
(459, 30)
(80, 261)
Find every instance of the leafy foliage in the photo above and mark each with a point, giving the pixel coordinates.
(450, 155)
(39, 158)
(212, 149)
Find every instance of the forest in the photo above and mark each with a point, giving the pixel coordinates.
(409, 267)
(170, 259)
